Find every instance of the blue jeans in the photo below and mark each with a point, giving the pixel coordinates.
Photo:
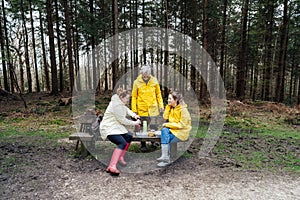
(167, 137)
(120, 140)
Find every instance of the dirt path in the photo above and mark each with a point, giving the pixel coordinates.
(52, 173)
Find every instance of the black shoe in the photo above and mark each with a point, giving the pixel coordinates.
(154, 145)
(143, 149)
(143, 146)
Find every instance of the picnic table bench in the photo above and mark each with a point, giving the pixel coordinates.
(86, 139)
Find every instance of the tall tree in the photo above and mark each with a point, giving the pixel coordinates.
(60, 64)
(282, 54)
(69, 45)
(203, 86)
(38, 89)
(241, 68)
(52, 48)
(115, 64)
(93, 43)
(45, 65)
(268, 49)
(8, 56)
(6, 86)
(28, 70)
(166, 43)
(223, 39)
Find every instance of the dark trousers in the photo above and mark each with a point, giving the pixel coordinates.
(120, 140)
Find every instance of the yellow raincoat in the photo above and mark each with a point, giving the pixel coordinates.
(146, 98)
(179, 121)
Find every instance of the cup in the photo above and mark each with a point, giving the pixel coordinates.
(145, 126)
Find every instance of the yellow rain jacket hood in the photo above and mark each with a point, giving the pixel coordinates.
(179, 121)
(146, 98)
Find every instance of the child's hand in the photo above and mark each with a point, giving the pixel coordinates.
(138, 122)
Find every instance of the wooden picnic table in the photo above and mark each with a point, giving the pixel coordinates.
(87, 140)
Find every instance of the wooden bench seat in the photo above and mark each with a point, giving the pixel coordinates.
(81, 136)
(87, 140)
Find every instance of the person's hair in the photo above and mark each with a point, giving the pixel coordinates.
(145, 69)
(123, 93)
(176, 96)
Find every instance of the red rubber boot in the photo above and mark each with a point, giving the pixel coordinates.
(121, 159)
(112, 168)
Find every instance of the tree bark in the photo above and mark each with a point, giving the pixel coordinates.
(60, 65)
(223, 39)
(166, 56)
(203, 86)
(8, 57)
(52, 48)
(6, 86)
(241, 68)
(268, 51)
(45, 65)
(115, 64)
(69, 45)
(28, 70)
(282, 55)
(38, 89)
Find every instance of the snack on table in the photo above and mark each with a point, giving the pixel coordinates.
(151, 133)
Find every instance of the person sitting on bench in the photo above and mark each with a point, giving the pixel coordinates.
(112, 127)
(177, 127)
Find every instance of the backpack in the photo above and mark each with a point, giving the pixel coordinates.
(95, 126)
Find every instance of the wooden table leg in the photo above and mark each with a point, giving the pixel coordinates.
(173, 150)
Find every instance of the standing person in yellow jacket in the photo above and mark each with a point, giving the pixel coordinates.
(146, 99)
(177, 127)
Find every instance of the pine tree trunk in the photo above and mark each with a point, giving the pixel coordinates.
(75, 37)
(282, 56)
(166, 56)
(115, 64)
(268, 52)
(193, 56)
(69, 45)
(45, 65)
(223, 38)
(241, 68)
(144, 39)
(37, 82)
(52, 48)
(28, 70)
(6, 86)
(60, 66)
(203, 86)
(92, 38)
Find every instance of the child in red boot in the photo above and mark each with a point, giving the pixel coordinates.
(112, 127)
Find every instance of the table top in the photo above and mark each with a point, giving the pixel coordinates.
(145, 137)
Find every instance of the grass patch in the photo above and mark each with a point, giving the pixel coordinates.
(187, 155)
(280, 133)
(257, 151)
(13, 132)
(59, 122)
(202, 131)
(136, 148)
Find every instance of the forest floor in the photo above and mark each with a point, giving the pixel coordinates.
(39, 162)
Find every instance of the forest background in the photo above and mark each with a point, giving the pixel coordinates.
(49, 49)
(255, 44)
